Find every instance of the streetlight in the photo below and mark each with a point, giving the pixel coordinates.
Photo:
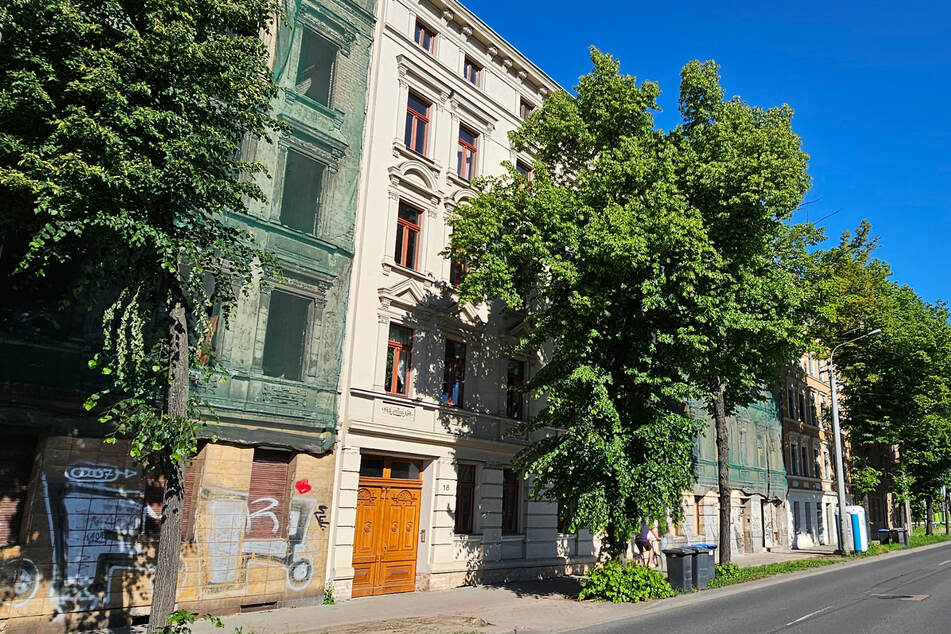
(839, 472)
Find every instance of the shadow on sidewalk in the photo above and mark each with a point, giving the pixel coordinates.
(567, 587)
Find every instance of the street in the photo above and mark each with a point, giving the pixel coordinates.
(911, 593)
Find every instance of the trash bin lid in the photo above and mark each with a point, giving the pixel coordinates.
(885, 530)
(690, 550)
(676, 552)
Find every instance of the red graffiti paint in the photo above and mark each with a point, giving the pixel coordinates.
(303, 486)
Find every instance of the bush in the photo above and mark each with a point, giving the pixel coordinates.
(727, 571)
(622, 583)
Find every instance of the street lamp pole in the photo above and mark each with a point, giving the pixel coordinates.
(839, 471)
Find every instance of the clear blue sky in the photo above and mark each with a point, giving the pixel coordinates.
(870, 83)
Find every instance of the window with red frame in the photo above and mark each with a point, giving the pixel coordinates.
(399, 354)
(465, 499)
(407, 236)
(417, 123)
(466, 155)
(425, 37)
(523, 169)
(454, 376)
(510, 492)
(471, 71)
(524, 109)
(515, 397)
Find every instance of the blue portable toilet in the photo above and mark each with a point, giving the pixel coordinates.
(859, 528)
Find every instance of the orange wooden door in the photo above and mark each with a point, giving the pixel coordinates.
(366, 539)
(397, 565)
(386, 535)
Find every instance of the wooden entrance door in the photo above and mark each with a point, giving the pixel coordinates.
(387, 527)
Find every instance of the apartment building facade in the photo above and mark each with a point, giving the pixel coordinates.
(757, 478)
(78, 523)
(427, 495)
(809, 451)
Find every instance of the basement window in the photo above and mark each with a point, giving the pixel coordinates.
(284, 341)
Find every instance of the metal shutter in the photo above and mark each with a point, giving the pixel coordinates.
(267, 495)
(16, 466)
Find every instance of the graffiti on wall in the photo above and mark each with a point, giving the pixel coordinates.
(226, 551)
(100, 526)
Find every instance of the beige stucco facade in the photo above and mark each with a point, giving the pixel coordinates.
(414, 292)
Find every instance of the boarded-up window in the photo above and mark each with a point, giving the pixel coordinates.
(316, 66)
(188, 518)
(267, 496)
(303, 185)
(16, 465)
(284, 340)
(154, 495)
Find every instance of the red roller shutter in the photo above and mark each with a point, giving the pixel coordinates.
(16, 466)
(267, 495)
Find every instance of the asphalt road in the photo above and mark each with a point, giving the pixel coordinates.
(908, 594)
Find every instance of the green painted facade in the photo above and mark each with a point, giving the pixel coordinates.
(756, 450)
(283, 346)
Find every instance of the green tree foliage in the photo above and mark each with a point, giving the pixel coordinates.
(743, 169)
(897, 385)
(658, 266)
(120, 129)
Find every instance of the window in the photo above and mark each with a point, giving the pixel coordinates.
(524, 109)
(465, 498)
(466, 155)
(457, 271)
(819, 528)
(315, 67)
(698, 515)
(454, 377)
(471, 71)
(398, 357)
(417, 124)
(515, 398)
(390, 468)
(808, 517)
(510, 494)
(16, 466)
(303, 182)
(813, 417)
(795, 516)
(152, 501)
(284, 341)
(802, 407)
(267, 494)
(425, 37)
(794, 454)
(805, 461)
(524, 170)
(791, 393)
(407, 235)
(817, 464)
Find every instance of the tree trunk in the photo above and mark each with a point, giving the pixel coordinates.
(929, 516)
(165, 582)
(947, 512)
(723, 473)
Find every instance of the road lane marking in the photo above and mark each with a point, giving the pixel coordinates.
(803, 618)
(948, 561)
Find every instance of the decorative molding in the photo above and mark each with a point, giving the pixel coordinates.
(507, 62)
(447, 16)
(493, 51)
(467, 30)
(522, 74)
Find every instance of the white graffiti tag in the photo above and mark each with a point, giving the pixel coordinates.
(96, 473)
(264, 512)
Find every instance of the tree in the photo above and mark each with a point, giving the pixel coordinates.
(896, 386)
(743, 169)
(120, 130)
(612, 262)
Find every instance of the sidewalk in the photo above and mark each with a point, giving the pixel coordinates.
(776, 556)
(536, 606)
